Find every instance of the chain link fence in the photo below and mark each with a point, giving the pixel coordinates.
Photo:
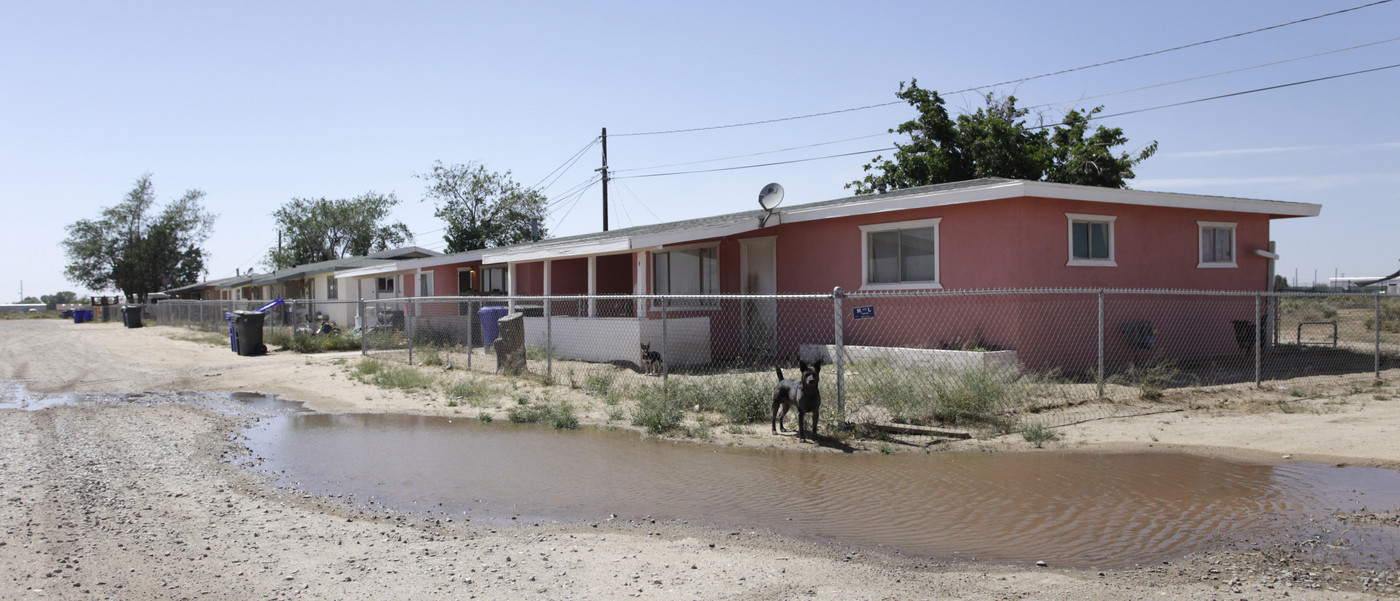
(984, 359)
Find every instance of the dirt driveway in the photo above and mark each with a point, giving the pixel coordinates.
(133, 497)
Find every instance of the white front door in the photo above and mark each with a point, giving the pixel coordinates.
(759, 275)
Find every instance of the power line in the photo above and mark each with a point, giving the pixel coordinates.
(741, 156)
(1021, 80)
(639, 200)
(1095, 118)
(564, 167)
(565, 195)
(830, 156)
(1232, 94)
(1217, 74)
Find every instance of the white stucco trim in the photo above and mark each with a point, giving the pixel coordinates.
(1112, 260)
(934, 284)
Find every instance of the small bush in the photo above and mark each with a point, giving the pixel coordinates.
(484, 418)
(600, 382)
(323, 343)
(430, 356)
(378, 373)
(656, 413)
(1038, 434)
(1390, 318)
(468, 390)
(560, 417)
(974, 394)
(616, 414)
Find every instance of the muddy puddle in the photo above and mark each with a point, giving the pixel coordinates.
(1072, 509)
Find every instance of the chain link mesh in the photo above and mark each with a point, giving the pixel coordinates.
(1000, 360)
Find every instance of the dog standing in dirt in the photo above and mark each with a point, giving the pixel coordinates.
(802, 394)
(651, 360)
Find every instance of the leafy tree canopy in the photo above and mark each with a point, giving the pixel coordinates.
(318, 229)
(136, 248)
(29, 300)
(996, 141)
(52, 301)
(482, 208)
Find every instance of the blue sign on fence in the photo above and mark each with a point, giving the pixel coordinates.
(863, 312)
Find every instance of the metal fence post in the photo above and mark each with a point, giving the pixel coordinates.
(364, 327)
(665, 352)
(1101, 353)
(1377, 329)
(840, 358)
(472, 320)
(409, 322)
(548, 338)
(1259, 378)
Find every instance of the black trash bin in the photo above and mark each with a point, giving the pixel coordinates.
(131, 316)
(248, 333)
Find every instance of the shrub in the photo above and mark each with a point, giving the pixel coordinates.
(468, 390)
(600, 382)
(978, 394)
(1390, 317)
(430, 356)
(656, 413)
(560, 417)
(1038, 434)
(378, 373)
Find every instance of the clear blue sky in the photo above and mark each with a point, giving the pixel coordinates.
(259, 102)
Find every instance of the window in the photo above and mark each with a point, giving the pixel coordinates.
(900, 255)
(425, 283)
(493, 280)
(332, 289)
(384, 284)
(1091, 240)
(1217, 244)
(686, 271)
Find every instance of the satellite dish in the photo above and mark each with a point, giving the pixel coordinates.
(770, 196)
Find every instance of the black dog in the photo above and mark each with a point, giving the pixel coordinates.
(803, 394)
(651, 360)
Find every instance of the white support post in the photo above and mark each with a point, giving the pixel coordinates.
(510, 287)
(592, 285)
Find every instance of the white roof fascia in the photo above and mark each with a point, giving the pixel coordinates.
(555, 251)
(1019, 189)
(368, 271)
(1171, 199)
(661, 239)
(882, 204)
(426, 262)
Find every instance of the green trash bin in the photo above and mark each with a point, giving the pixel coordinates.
(248, 333)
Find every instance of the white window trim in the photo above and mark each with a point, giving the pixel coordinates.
(934, 284)
(651, 275)
(1234, 245)
(1112, 260)
(418, 283)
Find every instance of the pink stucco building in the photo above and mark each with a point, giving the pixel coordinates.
(976, 235)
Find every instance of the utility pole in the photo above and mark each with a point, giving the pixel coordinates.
(605, 179)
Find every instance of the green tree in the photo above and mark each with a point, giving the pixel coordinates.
(136, 248)
(321, 230)
(996, 141)
(29, 300)
(482, 208)
(52, 301)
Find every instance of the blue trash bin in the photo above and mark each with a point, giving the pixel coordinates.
(490, 329)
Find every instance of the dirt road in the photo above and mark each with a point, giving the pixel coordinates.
(134, 497)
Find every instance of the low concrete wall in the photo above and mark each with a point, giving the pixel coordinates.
(911, 357)
(604, 339)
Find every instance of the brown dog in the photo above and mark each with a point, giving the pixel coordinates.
(803, 394)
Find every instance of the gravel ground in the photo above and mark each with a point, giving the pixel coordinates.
(141, 496)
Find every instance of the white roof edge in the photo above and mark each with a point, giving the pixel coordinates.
(573, 249)
(1017, 189)
(462, 257)
(1171, 199)
(718, 230)
(371, 270)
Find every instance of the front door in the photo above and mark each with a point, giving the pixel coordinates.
(759, 273)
